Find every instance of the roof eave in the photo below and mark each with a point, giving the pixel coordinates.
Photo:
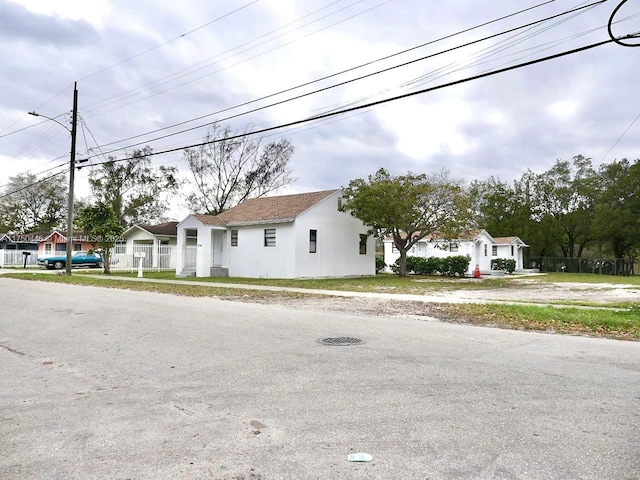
(246, 223)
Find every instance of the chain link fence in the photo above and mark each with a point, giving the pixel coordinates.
(601, 266)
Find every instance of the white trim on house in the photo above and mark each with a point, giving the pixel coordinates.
(479, 248)
(159, 248)
(205, 243)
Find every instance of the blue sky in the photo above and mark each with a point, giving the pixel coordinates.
(145, 66)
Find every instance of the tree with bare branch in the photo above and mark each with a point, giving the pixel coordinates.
(230, 167)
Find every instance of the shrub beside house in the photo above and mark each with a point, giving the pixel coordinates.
(478, 245)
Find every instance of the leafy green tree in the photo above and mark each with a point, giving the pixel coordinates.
(103, 228)
(505, 209)
(408, 207)
(497, 207)
(565, 202)
(227, 171)
(134, 189)
(28, 205)
(617, 214)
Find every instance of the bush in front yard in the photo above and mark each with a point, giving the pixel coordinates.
(457, 265)
(506, 264)
(450, 266)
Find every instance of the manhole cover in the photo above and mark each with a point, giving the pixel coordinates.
(340, 341)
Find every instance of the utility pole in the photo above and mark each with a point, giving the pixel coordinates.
(72, 171)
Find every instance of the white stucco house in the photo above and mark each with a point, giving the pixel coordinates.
(158, 242)
(288, 236)
(478, 245)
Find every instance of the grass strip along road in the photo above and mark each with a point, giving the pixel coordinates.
(619, 320)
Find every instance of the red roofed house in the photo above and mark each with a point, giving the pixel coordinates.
(56, 243)
(288, 236)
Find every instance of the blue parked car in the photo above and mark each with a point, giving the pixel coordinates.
(79, 258)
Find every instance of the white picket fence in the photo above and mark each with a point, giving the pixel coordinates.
(160, 257)
(15, 258)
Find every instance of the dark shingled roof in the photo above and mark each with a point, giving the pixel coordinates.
(168, 228)
(283, 208)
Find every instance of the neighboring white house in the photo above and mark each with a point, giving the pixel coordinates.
(478, 245)
(288, 236)
(509, 247)
(157, 242)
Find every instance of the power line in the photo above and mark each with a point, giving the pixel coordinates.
(124, 61)
(4, 195)
(617, 39)
(171, 40)
(380, 102)
(344, 82)
(158, 82)
(620, 137)
(253, 57)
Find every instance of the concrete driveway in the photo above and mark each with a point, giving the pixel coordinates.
(100, 383)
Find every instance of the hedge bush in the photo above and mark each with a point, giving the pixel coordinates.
(451, 266)
(506, 264)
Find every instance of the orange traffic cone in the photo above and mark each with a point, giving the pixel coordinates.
(476, 274)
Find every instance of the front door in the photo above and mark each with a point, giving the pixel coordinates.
(218, 236)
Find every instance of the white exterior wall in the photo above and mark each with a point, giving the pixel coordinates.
(136, 235)
(204, 249)
(337, 245)
(337, 254)
(484, 243)
(425, 248)
(252, 259)
(504, 251)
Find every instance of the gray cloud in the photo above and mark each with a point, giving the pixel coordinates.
(500, 125)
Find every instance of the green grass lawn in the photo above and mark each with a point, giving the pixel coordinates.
(380, 283)
(556, 277)
(620, 323)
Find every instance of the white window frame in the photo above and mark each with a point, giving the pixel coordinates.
(269, 237)
(313, 241)
(362, 245)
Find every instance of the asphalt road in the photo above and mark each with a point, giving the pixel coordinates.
(106, 384)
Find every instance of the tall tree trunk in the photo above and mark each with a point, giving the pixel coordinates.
(402, 264)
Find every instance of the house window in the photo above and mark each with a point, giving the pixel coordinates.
(453, 247)
(512, 250)
(485, 249)
(494, 250)
(234, 238)
(119, 248)
(313, 241)
(77, 247)
(47, 248)
(269, 237)
(394, 249)
(363, 244)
